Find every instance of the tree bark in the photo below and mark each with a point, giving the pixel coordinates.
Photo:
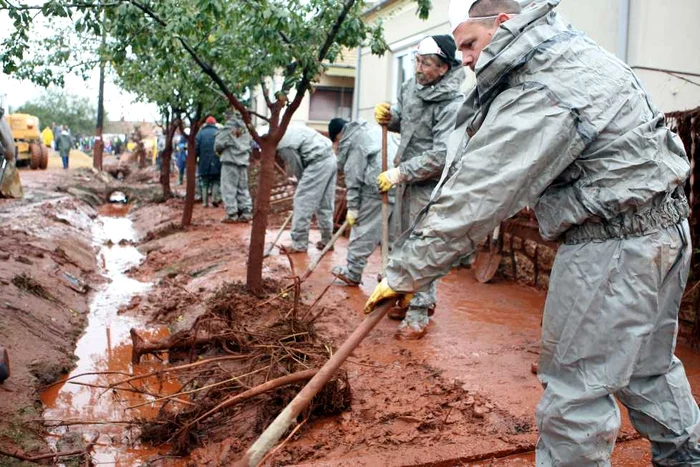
(262, 209)
(166, 158)
(191, 174)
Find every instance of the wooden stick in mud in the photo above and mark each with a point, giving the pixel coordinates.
(284, 420)
(252, 392)
(328, 247)
(141, 346)
(385, 202)
(279, 234)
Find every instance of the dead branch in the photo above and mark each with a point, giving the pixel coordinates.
(141, 346)
(209, 386)
(51, 455)
(256, 391)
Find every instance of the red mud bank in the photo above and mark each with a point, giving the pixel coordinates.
(47, 268)
(463, 395)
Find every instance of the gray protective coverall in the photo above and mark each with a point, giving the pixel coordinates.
(425, 117)
(234, 153)
(557, 123)
(309, 156)
(360, 155)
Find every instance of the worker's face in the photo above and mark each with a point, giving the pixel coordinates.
(472, 36)
(429, 69)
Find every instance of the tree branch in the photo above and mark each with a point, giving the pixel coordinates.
(266, 94)
(259, 115)
(305, 80)
(208, 70)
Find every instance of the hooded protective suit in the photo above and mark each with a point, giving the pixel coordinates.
(232, 143)
(425, 117)
(360, 156)
(308, 156)
(557, 123)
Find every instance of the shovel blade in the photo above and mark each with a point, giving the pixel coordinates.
(487, 263)
(11, 185)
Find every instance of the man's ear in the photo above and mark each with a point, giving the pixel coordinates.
(502, 18)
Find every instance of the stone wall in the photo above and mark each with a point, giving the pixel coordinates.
(527, 257)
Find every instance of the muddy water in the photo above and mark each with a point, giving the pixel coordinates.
(106, 347)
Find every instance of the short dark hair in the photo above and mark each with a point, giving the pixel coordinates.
(494, 7)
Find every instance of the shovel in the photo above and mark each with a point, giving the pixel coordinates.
(385, 206)
(288, 416)
(10, 184)
(279, 234)
(487, 261)
(325, 250)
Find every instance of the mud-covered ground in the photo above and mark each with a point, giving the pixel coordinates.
(463, 395)
(47, 269)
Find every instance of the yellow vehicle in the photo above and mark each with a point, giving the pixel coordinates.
(29, 148)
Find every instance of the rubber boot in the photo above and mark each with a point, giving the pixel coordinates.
(398, 313)
(205, 195)
(414, 325)
(344, 274)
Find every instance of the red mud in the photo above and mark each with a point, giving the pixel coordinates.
(462, 394)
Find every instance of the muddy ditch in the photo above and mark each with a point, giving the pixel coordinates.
(49, 270)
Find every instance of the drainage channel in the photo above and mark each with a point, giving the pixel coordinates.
(82, 406)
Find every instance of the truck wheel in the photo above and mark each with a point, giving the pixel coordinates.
(4, 365)
(35, 151)
(44, 157)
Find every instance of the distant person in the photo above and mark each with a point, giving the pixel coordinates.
(233, 146)
(56, 131)
(181, 157)
(209, 163)
(309, 157)
(47, 137)
(64, 145)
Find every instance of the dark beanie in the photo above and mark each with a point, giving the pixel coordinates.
(335, 126)
(448, 47)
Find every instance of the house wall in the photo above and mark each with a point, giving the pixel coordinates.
(660, 34)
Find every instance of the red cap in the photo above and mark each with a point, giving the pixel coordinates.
(210, 119)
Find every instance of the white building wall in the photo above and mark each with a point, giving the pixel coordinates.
(660, 34)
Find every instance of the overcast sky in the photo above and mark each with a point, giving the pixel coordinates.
(118, 104)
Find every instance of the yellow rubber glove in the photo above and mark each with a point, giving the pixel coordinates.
(351, 216)
(388, 179)
(384, 292)
(382, 113)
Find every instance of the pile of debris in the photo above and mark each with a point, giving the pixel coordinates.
(247, 358)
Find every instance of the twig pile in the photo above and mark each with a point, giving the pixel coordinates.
(269, 352)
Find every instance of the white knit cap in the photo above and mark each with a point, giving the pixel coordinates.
(458, 12)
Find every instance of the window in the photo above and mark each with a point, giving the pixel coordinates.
(328, 103)
(404, 70)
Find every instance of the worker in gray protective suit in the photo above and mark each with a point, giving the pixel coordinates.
(232, 143)
(309, 157)
(557, 123)
(359, 149)
(425, 116)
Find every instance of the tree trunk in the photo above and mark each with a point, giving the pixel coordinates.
(191, 173)
(262, 209)
(165, 160)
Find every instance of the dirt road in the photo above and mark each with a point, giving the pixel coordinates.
(463, 395)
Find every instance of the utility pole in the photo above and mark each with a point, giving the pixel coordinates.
(98, 147)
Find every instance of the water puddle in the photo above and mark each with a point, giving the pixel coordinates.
(106, 347)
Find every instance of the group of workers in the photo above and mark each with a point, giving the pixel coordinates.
(558, 124)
